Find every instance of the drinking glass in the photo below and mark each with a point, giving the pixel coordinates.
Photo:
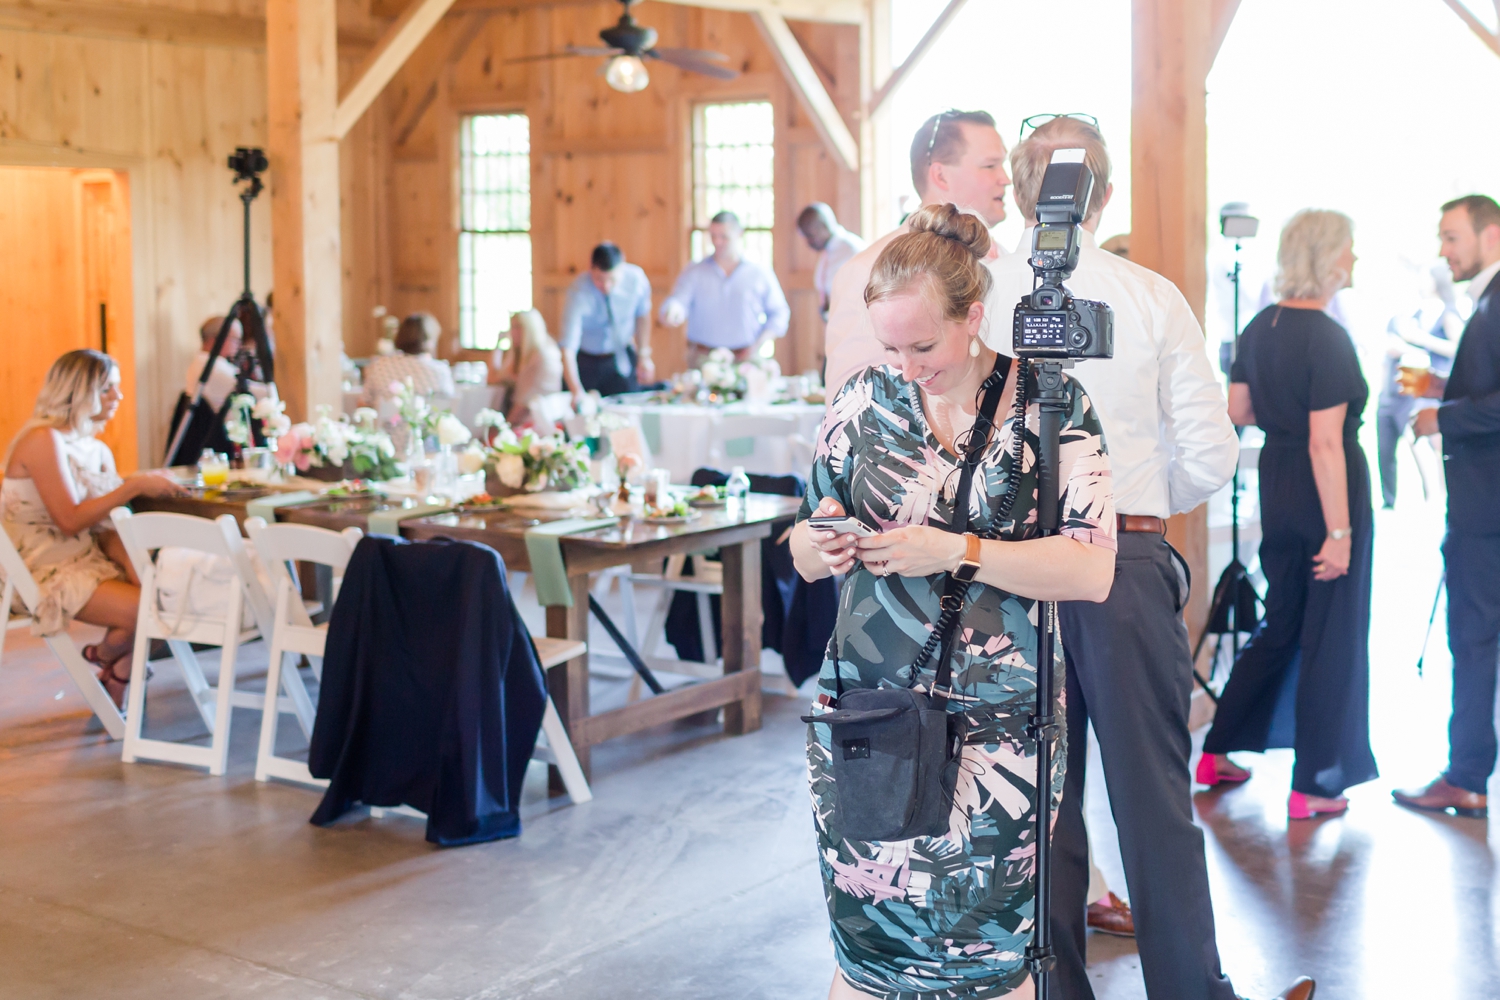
(213, 468)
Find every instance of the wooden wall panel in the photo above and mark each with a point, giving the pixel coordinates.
(604, 165)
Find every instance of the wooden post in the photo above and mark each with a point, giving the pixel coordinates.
(1169, 196)
(302, 70)
(874, 129)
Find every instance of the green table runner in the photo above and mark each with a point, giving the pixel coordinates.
(544, 549)
(265, 507)
(388, 521)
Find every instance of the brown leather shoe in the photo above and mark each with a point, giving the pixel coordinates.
(1111, 915)
(1441, 796)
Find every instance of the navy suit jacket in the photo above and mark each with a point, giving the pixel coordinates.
(1470, 421)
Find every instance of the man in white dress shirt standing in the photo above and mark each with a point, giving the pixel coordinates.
(1171, 447)
(957, 157)
(833, 244)
(726, 300)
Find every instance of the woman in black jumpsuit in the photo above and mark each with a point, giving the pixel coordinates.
(1297, 377)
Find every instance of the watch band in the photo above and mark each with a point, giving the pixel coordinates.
(1339, 534)
(969, 564)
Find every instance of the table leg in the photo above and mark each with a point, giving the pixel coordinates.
(742, 620)
(568, 683)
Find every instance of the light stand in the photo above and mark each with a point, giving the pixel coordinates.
(255, 355)
(1236, 604)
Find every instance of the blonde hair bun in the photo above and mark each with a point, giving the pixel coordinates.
(951, 224)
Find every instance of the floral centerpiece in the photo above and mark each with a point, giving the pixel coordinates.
(731, 380)
(330, 448)
(247, 415)
(527, 462)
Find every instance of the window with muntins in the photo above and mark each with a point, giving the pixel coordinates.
(494, 240)
(734, 169)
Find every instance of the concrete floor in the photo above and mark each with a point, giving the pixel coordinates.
(691, 874)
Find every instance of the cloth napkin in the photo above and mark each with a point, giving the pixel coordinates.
(544, 549)
(388, 521)
(265, 507)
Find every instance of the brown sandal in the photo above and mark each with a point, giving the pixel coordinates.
(106, 675)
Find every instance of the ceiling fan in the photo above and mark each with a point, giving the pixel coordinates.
(628, 44)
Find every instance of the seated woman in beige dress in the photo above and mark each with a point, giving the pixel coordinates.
(60, 485)
(532, 367)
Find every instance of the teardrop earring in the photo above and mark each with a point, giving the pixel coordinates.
(973, 347)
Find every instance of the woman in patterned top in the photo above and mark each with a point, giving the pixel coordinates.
(944, 917)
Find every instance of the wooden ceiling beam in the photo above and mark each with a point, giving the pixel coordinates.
(1477, 26)
(390, 53)
(808, 86)
(88, 19)
(1220, 17)
(832, 11)
(899, 74)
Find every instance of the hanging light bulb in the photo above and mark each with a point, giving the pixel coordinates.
(627, 74)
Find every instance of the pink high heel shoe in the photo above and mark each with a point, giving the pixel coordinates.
(1208, 773)
(1297, 807)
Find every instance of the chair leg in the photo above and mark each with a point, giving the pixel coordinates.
(296, 692)
(706, 630)
(7, 597)
(192, 672)
(270, 715)
(87, 682)
(135, 704)
(567, 761)
(223, 709)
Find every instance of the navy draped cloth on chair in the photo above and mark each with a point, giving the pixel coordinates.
(799, 616)
(431, 694)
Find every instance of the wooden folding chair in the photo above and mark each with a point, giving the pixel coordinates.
(18, 580)
(278, 547)
(143, 534)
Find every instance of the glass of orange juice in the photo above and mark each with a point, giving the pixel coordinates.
(213, 468)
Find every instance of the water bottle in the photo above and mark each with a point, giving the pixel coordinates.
(736, 490)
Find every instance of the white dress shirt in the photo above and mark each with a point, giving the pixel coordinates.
(841, 247)
(731, 310)
(1481, 281)
(1171, 443)
(220, 381)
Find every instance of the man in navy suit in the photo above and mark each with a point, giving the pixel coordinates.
(1469, 421)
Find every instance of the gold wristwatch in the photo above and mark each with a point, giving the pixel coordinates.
(969, 564)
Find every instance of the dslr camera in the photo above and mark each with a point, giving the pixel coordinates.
(1050, 323)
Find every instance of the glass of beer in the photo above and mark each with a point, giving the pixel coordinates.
(1414, 381)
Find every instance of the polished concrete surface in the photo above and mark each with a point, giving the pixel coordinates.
(691, 874)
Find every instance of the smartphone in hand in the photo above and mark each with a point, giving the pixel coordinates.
(842, 525)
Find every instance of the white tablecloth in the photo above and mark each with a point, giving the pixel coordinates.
(682, 436)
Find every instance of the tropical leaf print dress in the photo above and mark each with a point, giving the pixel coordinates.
(942, 917)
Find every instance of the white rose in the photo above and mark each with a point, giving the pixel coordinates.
(511, 469)
(451, 430)
(490, 418)
(470, 460)
(365, 415)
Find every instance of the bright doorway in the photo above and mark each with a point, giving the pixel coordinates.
(65, 285)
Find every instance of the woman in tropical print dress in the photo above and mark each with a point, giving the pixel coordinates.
(943, 917)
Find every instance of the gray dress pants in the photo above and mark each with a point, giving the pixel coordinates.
(1130, 673)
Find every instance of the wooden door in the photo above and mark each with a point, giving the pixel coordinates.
(67, 239)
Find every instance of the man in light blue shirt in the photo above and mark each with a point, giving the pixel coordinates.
(725, 300)
(606, 307)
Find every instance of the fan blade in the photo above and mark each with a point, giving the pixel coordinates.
(693, 65)
(707, 54)
(568, 52)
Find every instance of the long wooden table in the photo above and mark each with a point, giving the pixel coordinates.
(737, 537)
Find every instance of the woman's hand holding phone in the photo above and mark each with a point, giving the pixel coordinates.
(835, 549)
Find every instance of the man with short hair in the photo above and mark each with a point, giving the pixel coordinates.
(957, 157)
(1171, 447)
(725, 300)
(606, 327)
(222, 378)
(1469, 420)
(833, 244)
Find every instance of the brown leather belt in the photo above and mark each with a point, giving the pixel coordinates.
(1142, 522)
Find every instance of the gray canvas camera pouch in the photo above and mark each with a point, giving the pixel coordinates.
(895, 751)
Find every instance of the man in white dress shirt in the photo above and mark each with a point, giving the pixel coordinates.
(957, 157)
(833, 244)
(222, 378)
(1171, 447)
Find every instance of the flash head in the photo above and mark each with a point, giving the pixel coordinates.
(1066, 187)
(1236, 222)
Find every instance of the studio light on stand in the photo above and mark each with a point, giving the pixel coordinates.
(1236, 605)
(627, 74)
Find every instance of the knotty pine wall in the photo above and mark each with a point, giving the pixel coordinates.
(605, 165)
(163, 91)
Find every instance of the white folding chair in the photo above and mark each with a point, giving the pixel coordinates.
(558, 750)
(143, 534)
(277, 547)
(18, 580)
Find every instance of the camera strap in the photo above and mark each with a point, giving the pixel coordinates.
(952, 601)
